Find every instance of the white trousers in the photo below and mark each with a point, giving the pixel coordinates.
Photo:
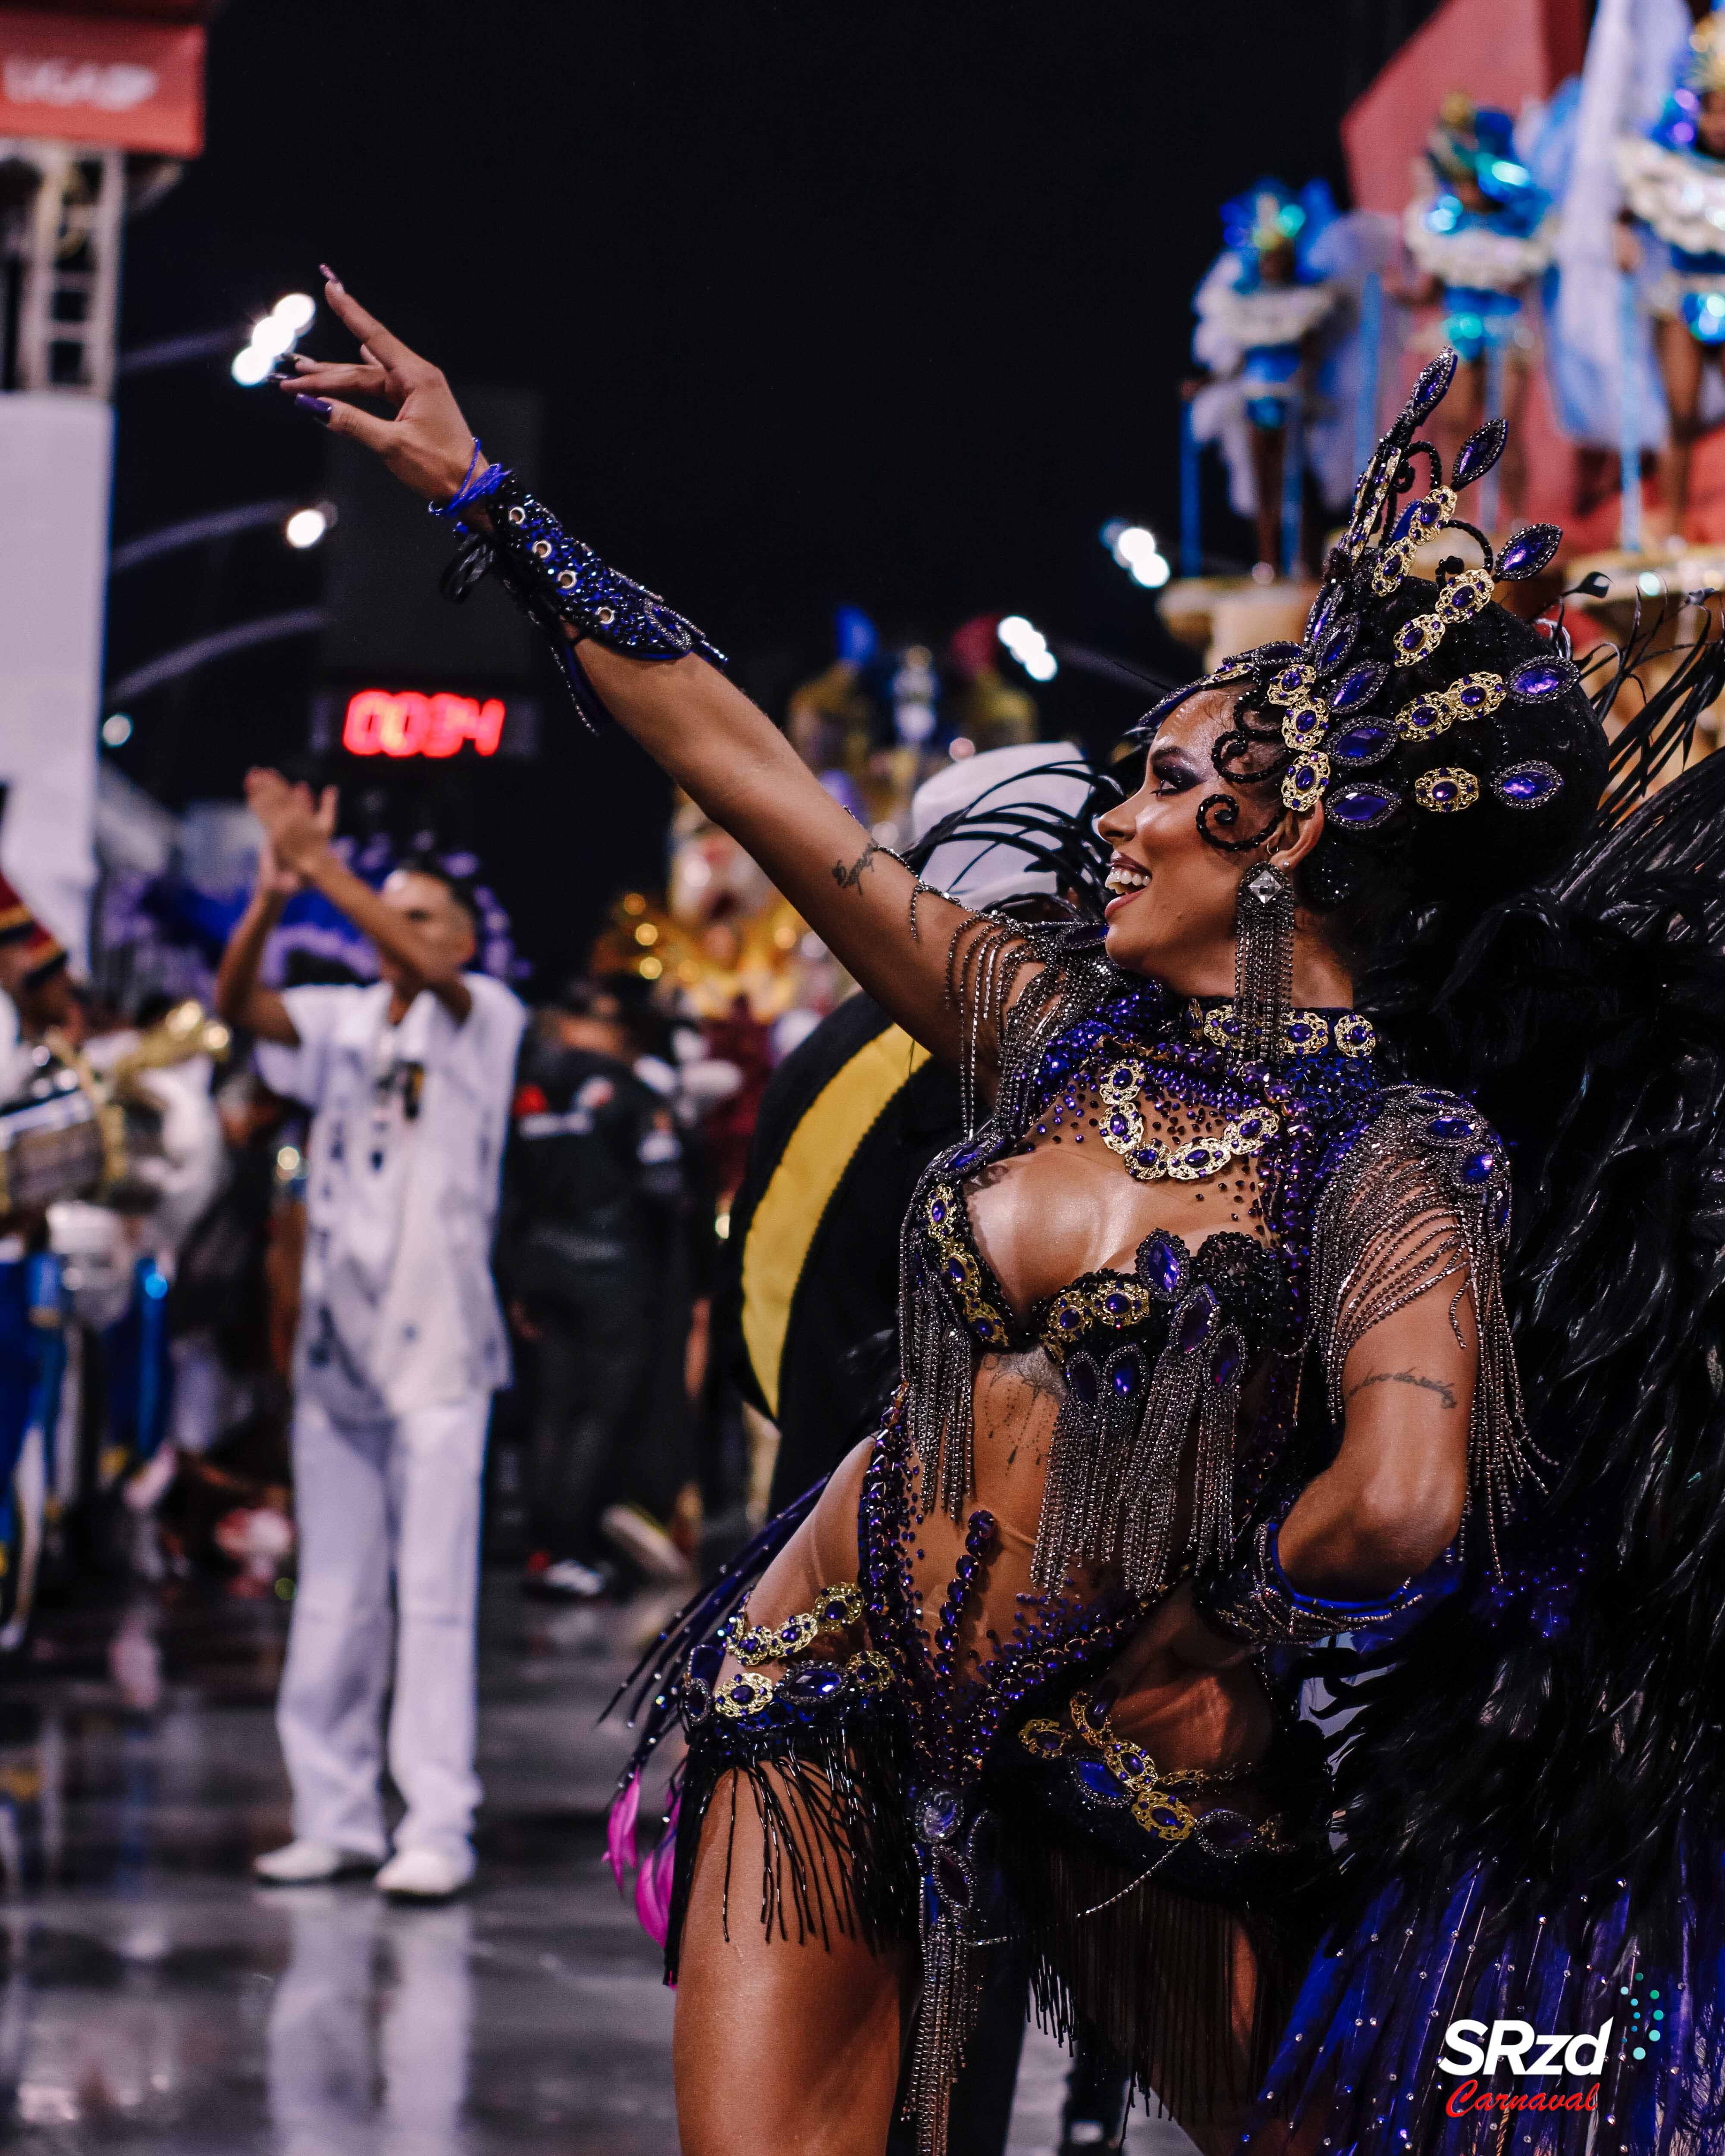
(375, 1500)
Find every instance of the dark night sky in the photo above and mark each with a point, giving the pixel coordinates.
(883, 304)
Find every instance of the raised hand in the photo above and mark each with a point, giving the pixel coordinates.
(427, 444)
(296, 827)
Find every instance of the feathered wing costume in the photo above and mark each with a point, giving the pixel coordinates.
(1529, 1786)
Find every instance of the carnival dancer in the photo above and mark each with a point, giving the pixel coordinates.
(1207, 1353)
(400, 1345)
(1261, 309)
(1673, 183)
(1480, 240)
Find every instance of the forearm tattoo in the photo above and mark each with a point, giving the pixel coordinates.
(850, 878)
(1444, 1391)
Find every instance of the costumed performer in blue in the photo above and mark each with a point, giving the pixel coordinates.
(1674, 208)
(1220, 1337)
(1262, 310)
(1480, 240)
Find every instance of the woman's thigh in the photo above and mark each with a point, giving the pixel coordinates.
(780, 2044)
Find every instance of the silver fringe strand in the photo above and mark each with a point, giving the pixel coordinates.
(1398, 1217)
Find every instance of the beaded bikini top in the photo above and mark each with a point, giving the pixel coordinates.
(1154, 1359)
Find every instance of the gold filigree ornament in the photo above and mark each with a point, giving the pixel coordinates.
(1433, 510)
(1148, 1794)
(1459, 600)
(1148, 1159)
(1474, 697)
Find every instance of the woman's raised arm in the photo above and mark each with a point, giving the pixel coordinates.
(720, 748)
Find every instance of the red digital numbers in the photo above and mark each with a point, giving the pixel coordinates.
(380, 722)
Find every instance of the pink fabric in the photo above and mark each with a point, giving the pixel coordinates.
(620, 1830)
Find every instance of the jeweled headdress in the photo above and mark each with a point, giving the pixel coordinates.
(1439, 731)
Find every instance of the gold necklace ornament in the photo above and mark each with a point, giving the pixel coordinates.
(1148, 1159)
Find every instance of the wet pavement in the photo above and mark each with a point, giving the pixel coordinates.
(153, 1998)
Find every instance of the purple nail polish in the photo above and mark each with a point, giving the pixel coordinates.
(317, 407)
(330, 275)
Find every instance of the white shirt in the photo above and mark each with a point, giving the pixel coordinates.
(397, 1310)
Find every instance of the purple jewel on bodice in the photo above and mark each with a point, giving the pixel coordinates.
(1197, 1317)
(1528, 553)
(1161, 1266)
(1321, 614)
(955, 1270)
(938, 1212)
(1082, 1377)
(1228, 1351)
(1477, 1167)
(1098, 1782)
(1114, 1303)
(813, 1683)
(1297, 1031)
(1124, 1377)
(1117, 1125)
(1410, 638)
(1473, 696)
(1452, 1125)
(938, 1815)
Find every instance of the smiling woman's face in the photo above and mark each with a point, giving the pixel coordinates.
(1172, 914)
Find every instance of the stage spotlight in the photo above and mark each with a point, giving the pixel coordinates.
(297, 311)
(306, 526)
(116, 729)
(251, 366)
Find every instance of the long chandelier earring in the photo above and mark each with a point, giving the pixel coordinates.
(1263, 964)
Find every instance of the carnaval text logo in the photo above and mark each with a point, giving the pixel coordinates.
(1518, 2046)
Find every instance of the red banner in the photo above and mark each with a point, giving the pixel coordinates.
(88, 78)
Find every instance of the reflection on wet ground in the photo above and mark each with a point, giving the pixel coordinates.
(151, 1998)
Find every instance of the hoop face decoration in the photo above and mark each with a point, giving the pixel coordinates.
(1321, 708)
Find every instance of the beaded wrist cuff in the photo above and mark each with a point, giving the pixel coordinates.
(559, 581)
(1255, 1601)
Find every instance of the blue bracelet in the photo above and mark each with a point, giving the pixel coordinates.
(1255, 1601)
(471, 490)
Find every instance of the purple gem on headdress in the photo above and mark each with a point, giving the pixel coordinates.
(1161, 1266)
(1529, 552)
(1196, 1320)
(1367, 743)
(938, 1211)
(1362, 807)
(1479, 453)
(1477, 1167)
(1336, 646)
(1357, 688)
(1083, 1376)
(1526, 785)
(1431, 386)
(1537, 679)
(1323, 607)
